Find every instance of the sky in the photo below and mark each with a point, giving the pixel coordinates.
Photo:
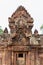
(34, 7)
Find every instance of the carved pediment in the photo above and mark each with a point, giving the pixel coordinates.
(20, 24)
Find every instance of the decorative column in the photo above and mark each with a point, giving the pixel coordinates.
(37, 58)
(14, 59)
(28, 58)
(32, 57)
(8, 57)
(3, 57)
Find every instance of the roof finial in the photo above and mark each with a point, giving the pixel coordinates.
(6, 30)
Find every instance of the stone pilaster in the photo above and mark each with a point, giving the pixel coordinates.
(8, 58)
(14, 59)
(37, 58)
(28, 58)
(3, 57)
(32, 58)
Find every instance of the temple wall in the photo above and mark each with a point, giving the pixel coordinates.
(8, 58)
(37, 58)
(32, 57)
(5, 57)
(41, 58)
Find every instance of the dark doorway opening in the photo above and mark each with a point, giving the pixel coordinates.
(20, 55)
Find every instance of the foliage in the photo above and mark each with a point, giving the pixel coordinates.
(41, 26)
(1, 31)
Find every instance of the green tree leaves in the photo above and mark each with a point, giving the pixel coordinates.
(1, 31)
(41, 28)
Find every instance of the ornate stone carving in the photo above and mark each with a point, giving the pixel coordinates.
(21, 48)
(5, 40)
(20, 24)
(33, 41)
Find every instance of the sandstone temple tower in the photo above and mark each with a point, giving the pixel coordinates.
(21, 47)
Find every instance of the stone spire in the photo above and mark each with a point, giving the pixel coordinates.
(6, 30)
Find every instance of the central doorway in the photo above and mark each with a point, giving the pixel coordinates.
(21, 58)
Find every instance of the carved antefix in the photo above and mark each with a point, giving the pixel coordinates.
(20, 24)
